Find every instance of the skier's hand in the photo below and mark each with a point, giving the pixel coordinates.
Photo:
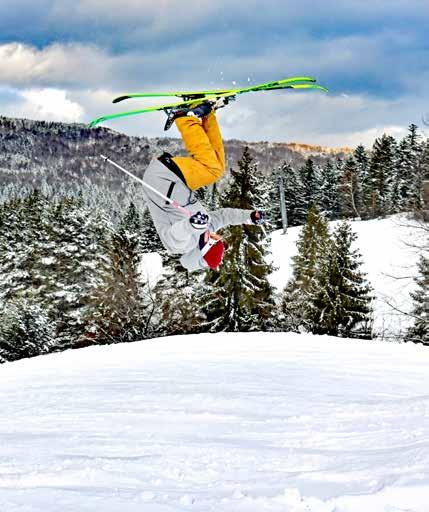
(199, 220)
(258, 217)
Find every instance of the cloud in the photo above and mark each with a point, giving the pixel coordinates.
(142, 25)
(57, 64)
(52, 104)
(346, 64)
(45, 104)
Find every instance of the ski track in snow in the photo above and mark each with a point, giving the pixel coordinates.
(228, 422)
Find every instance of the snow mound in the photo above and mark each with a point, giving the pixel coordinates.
(226, 422)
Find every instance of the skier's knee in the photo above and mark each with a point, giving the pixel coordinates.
(197, 175)
(216, 173)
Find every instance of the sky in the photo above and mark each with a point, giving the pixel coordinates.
(66, 61)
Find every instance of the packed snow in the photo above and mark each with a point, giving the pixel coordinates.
(218, 423)
(150, 268)
(389, 257)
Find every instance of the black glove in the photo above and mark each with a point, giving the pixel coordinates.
(258, 217)
(199, 220)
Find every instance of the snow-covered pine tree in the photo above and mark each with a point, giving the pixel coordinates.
(416, 148)
(214, 196)
(10, 226)
(176, 308)
(149, 239)
(349, 189)
(329, 194)
(296, 203)
(67, 266)
(131, 221)
(273, 208)
(407, 181)
(423, 211)
(362, 168)
(313, 245)
(141, 225)
(422, 175)
(22, 238)
(399, 189)
(270, 201)
(117, 310)
(339, 298)
(419, 331)
(239, 297)
(381, 172)
(362, 162)
(311, 183)
(25, 330)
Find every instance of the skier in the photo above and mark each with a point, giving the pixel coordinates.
(193, 237)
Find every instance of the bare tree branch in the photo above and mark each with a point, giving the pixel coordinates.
(395, 308)
(396, 277)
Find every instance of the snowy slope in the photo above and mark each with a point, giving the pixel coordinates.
(387, 254)
(225, 423)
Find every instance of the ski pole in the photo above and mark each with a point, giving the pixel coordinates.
(167, 199)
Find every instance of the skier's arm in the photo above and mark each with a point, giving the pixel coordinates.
(179, 233)
(228, 217)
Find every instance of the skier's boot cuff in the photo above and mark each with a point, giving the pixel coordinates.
(201, 110)
(173, 114)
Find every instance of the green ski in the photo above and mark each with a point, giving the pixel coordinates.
(188, 95)
(141, 111)
(196, 97)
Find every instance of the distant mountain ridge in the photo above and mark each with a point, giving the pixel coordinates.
(32, 151)
(311, 149)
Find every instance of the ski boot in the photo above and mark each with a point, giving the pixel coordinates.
(223, 101)
(199, 110)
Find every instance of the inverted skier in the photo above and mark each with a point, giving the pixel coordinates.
(194, 237)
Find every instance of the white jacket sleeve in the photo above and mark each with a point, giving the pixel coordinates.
(228, 217)
(182, 237)
(193, 260)
(179, 234)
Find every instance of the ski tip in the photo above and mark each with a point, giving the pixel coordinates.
(308, 86)
(121, 98)
(320, 87)
(94, 122)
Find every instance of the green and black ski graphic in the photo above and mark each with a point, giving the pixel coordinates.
(190, 98)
